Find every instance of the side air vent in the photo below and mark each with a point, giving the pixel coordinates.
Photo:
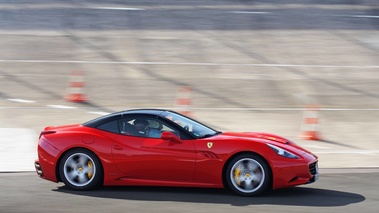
(209, 154)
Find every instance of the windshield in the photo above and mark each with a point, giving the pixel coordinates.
(194, 128)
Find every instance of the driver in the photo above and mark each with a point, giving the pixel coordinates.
(141, 127)
(146, 128)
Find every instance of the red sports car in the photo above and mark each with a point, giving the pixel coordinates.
(163, 148)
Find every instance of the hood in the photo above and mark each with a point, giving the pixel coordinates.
(259, 135)
(268, 137)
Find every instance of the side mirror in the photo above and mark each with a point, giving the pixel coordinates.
(169, 136)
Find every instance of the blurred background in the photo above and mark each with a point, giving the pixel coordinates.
(307, 70)
(245, 65)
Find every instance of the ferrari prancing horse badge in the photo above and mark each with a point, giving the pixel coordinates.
(209, 144)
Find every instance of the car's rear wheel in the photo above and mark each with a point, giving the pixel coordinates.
(80, 169)
(248, 175)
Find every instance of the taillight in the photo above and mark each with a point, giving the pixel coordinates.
(46, 133)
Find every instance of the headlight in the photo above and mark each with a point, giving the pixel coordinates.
(282, 152)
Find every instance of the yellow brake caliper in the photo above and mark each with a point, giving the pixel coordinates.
(90, 169)
(237, 174)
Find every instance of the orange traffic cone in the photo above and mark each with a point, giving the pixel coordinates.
(310, 124)
(75, 87)
(183, 100)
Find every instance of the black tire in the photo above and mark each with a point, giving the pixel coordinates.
(248, 175)
(80, 169)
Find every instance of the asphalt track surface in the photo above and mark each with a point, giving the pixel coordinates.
(252, 66)
(351, 191)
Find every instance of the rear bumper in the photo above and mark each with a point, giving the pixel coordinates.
(45, 165)
(38, 167)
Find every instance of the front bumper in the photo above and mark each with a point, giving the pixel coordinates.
(313, 169)
(304, 171)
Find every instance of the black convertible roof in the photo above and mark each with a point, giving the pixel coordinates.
(106, 118)
(144, 111)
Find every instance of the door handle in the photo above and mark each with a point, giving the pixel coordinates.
(117, 147)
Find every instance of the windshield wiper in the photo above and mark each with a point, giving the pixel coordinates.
(210, 135)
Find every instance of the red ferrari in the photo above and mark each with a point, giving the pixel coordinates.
(152, 147)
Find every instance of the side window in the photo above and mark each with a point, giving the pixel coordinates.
(126, 127)
(144, 127)
(154, 128)
(110, 127)
(166, 128)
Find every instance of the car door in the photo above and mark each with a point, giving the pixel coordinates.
(152, 158)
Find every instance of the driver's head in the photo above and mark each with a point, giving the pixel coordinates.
(141, 125)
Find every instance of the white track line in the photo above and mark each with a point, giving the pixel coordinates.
(364, 16)
(18, 149)
(99, 113)
(316, 147)
(116, 8)
(203, 108)
(249, 12)
(61, 107)
(20, 100)
(283, 109)
(192, 64)
(355, 151)
(259, 12)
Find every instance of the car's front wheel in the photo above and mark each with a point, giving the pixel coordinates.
(248, 175)
(80, 169)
